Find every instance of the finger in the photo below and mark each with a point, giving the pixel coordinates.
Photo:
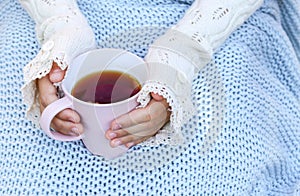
(67, 127)
(139, 130)
(141, 115)
(138, 141)
(63, 121)
(147, 129)
(69, 115)
(56, 73)
(46, 98)
(66, 115)
(140, 123)
(133, 133)
(123, 140)
(157, 97)
(128, 140)
(48, 94)
(47, 91)
(136, 116)
(64, 126)
(110, 134)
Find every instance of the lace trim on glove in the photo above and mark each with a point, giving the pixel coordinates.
(181, 108)
(39, 67)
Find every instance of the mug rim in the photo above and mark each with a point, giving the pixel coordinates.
(122, 51)
(70, 96)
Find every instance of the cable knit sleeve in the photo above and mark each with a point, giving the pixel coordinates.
(183, 50)
(63, 33)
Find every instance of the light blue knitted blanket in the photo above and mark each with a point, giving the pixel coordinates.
(244, 140)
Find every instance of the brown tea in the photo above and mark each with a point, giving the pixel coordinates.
(106, 87)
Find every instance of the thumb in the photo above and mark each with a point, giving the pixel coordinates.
(157, 97)
(56, 74)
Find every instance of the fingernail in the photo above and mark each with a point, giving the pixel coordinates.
(56, 70)
(112, 135)
(72, 119)
(116, 143)
(55, 76)
(116, 126)
(129, 145)
(75, 131)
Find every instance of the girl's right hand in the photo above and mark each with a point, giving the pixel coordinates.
(67, 121)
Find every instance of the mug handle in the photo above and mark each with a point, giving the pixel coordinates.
(49, 113)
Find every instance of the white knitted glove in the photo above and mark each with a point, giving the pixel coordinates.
(205, 26)
(183, 50)
(64, 33)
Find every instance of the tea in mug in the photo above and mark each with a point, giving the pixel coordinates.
(106, 87)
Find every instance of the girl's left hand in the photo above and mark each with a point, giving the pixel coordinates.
(140, 124)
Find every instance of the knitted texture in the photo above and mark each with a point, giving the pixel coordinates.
(244, 140)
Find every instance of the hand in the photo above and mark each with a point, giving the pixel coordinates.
(67, 121)
(140, 124)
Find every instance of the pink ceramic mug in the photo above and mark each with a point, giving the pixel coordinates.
(96, 118)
